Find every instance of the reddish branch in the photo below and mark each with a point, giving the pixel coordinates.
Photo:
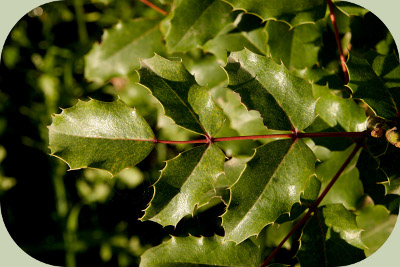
(153, 6)
(293, 135)
(313, 207)
(302, 222)
(335, 28)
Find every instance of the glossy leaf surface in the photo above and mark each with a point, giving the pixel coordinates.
(105, 135)
(185, 102)
(183, 182)
(337, 111)
(201, 251)
(283, 100)
(267, 188)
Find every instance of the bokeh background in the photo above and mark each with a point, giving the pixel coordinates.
(82, 217)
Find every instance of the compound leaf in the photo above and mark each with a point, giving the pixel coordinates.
(271, 183)
(120, 49)
(187, 103)
(183, 182)
(105, 135)
(293, 12)
(331, 238)
(202, 251)
(195, 22)
(283, 99)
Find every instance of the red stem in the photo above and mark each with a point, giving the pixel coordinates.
(292, 135)
(315, 205)
(334, 179)
(339, 44)
(153, 6)
(303, 221)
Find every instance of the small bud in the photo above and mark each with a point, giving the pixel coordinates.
(393, 136)
(377, 133)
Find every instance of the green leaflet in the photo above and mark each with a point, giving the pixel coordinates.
(195, 22)
(201, 251)
(184, 101)
(348, 189)
(351, 9)
(293, 12)
(331, 238)
(249, 33)
(281, 98)
(105, 135)
(374, 79)
(271, 183)
(296, 47)
(378, 224)
(183, 182)
(337, 111)
(120, 49)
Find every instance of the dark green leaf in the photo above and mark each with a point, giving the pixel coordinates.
(244, 36)
(296, 47)
(271, 183)
(293, 12)
(203, 251)
(187, 103)
(376, 82)
(105, 135)
(281, 98)
(195, 22)
(183, 182)
(120, 49)
(331, 238)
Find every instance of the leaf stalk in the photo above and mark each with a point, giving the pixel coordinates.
(294, 135)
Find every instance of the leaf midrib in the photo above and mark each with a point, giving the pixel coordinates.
(258, 199)
(186, 180)
(105, 138)
(180, 99)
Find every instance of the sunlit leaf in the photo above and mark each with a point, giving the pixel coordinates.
(283, 99)
(187, 103)
(183, 182)
(105, 135)
(202, 251)
(271, 183)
